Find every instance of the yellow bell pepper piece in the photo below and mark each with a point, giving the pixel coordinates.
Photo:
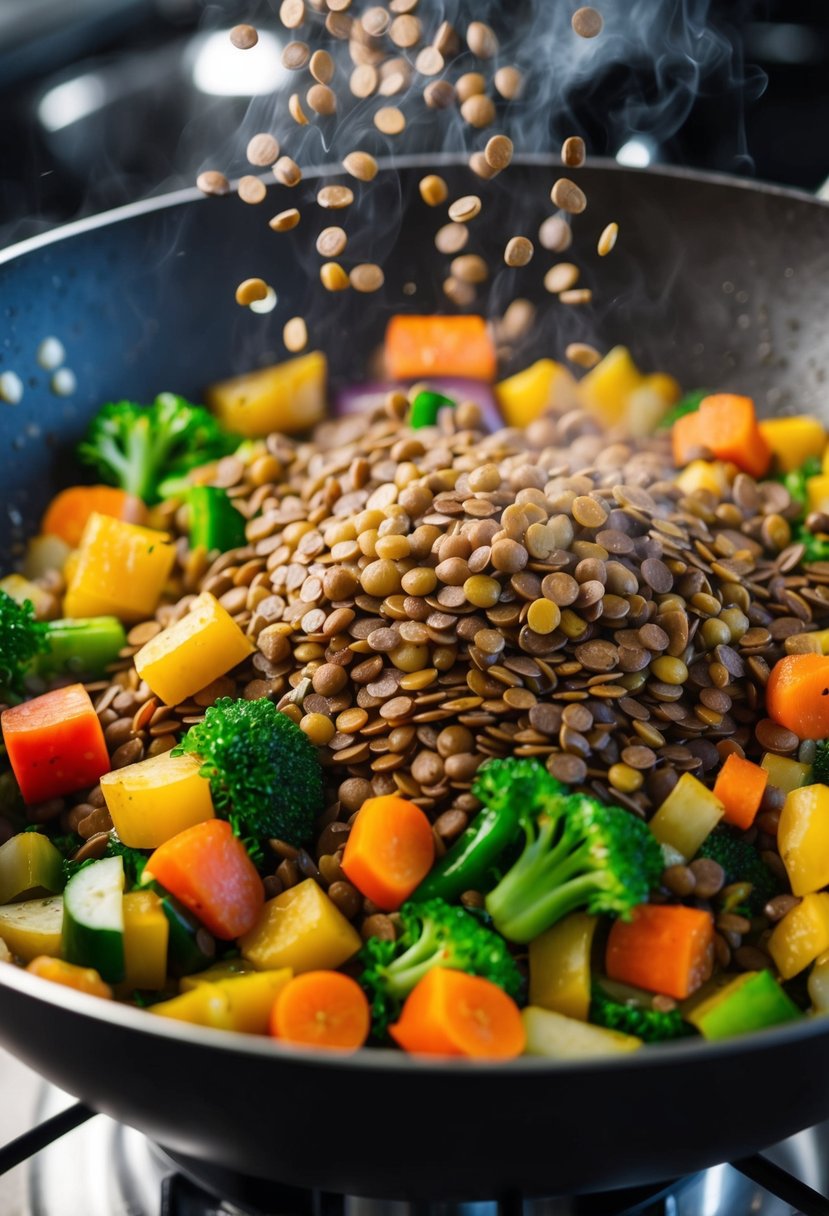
(287, 397)
(227, 969)
(192, 653)
(803, 838)
(21, 589)
(710, 475)
(301, 929)
(793, 440)
(528, 394)
(817, 492)
(146, 933)
(29, 865)
(121, 570)
(606, 389)
(560, 966)
(785, 773)
(560, 1038)
(243, 1003)
(801, 935)
(157, 798)
(33, 927)
(687, 816)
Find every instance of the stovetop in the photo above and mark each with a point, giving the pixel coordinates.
(102, 1168)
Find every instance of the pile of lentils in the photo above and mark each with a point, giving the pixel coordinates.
(424, 600)
(382, 54)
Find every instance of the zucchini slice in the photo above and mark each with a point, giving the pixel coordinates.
(93, 919)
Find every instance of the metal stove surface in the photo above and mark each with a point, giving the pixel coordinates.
(103, 1168)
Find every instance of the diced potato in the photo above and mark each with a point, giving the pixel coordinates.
(785, 773)
(157, 798)
(33, 927)
(528, 394)
(44, 555)
(560, 966)
(606, 389)
(301, 929)
(793, 440)
(560, 1038)
(121, 570)
(241, 1003)
(190, 654)
(225, 970)
(800, 937)
(287, 397)
(803, 838)
(146, 934)
(687, 816)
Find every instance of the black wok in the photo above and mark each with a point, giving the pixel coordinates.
(722, 283)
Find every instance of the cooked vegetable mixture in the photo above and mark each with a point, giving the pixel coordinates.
(484, 719)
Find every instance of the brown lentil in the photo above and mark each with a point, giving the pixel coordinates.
(262, 150)
(390, 120)
(284, 221)
(251, 189)
(519, 251)
(587, 22)
(607, 240)
(361, 165)
(244, 37)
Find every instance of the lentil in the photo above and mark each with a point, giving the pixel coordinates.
(244, 37)
(213, 182)
(390, 120)
(262, 150)
(361, 165)
(567, 196)
(607, 240)
(251, 189)
(433, 190)
(587, 22)
(284, 221)
(519, 251)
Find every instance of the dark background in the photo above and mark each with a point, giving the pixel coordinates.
(147, 128)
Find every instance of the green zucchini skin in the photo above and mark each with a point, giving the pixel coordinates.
(93, 919)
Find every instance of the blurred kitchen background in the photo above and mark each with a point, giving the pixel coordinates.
(106, 101)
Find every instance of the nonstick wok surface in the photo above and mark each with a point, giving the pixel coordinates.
(721, 283)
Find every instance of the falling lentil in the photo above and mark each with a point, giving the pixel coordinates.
(390, 120)
(244, 37)
(321, 66)
(587, 22)
(582, 354)
(465, 209)
(284, 221)
(251, 189)
(361, 165)
(607, 240)
(295, 334)
(519, 251)
(211, 181)
(569, 197)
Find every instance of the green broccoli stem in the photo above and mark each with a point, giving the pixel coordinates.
(410, 967)
(543, 885)
(141, 461)
(82, 647)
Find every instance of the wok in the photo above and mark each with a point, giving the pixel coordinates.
(724, 284)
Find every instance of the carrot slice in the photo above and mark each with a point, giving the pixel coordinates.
(664, 948)
(82, 979)
(389, 851)
(439, 346)
(450, 1013)
(726, 424)
(686, 439)
(55, 744)
(69, 510)
(740, 786)
(322, 1009)
(797, 694)
(208, 869)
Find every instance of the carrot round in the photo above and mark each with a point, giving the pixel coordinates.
(82, 979)
(740, 786)
(663, 948)
(322, 1009)
(208, 869)
(389, 851)
(797, 694)
(450, 1013)
(439, 346)
(69, 510)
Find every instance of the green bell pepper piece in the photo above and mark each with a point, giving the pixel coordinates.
(752, 1001)
(425, 408)
(214, 521)
(469, 864)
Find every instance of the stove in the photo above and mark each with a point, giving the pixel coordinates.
(73, 1162)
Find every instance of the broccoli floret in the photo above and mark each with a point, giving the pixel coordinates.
(47, 648)
(137, 447)
(820, 764)
(630, 1017)
(264, 773)
(434, 934)
(502, 784)
(742, 863)
(578, 854)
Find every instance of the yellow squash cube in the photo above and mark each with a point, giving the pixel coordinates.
(243, 1003)
(557, 1037)
(710, 475)
(227, 969)
(606, 389)
(192, 653)
(33, 927)
(801, 935)
(120, 571)
(560, 966)
(156, 798)
(528, 394)
(803, 838)
(287, 397)
(146, 933)
(817, 492)
(301, 929)
(687, 816)
(793, 440)
(784, 773)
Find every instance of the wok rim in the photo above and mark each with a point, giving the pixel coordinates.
(134, 1019)
(423, 160)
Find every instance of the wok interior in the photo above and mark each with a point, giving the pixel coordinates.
(719, 284)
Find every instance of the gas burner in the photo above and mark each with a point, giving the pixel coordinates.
(106, 1169)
